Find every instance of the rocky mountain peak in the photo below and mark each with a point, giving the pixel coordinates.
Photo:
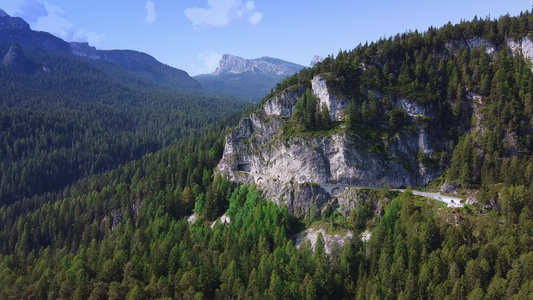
(15, 60)
(232, 64)
(266, 66)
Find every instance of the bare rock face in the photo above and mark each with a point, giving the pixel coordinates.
(15, 59)
(330, 240)
(335, 105)
(268, 66)
(448, 188)
(307, 174)
(523, 46)
(283, 104)
(477, 42)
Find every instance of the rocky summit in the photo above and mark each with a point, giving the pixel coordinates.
(248, 79)
(266, 66)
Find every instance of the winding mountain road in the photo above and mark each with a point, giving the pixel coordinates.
(335, 189)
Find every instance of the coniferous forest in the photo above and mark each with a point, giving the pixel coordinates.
(53, 134)
(96, 192)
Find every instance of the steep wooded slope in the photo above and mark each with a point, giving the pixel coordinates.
(395, 113)
(64, 116)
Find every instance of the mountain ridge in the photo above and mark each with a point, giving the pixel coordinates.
(16, 30)
(267, 66)
(247, 78)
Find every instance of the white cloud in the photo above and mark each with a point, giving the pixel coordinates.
(207, 63)
(250, 5)
(93, 38)
(255, 18)
(29, 10)
(54, 22)
(44, 16)
(222, 12)
(150, 12)
(210, 61)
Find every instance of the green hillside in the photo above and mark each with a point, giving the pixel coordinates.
(84, 117)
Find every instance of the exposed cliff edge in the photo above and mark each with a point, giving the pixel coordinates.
(302, 172)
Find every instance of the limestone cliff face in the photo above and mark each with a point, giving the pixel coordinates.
(335, 105)
(306, 172)
(268, 66)
(523, 45)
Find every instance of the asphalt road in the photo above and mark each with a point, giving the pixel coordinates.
(450, 201)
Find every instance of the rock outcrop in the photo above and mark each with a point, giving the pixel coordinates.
(524, 46)
(335, 105)
(305, 172)
(248, 79)
(311, 173)
(15, 59)
(331, 241)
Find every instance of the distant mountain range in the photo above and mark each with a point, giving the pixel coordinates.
(249, 79)
(16, 30)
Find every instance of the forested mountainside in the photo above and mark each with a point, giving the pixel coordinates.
(142, 65)
(127, 233)
(397, 113)
(63, 117)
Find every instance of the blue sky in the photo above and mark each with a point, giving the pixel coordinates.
(192, 35)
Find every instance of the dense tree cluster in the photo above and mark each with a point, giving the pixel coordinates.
(80, 119)
(133, 241)
(310, 114)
